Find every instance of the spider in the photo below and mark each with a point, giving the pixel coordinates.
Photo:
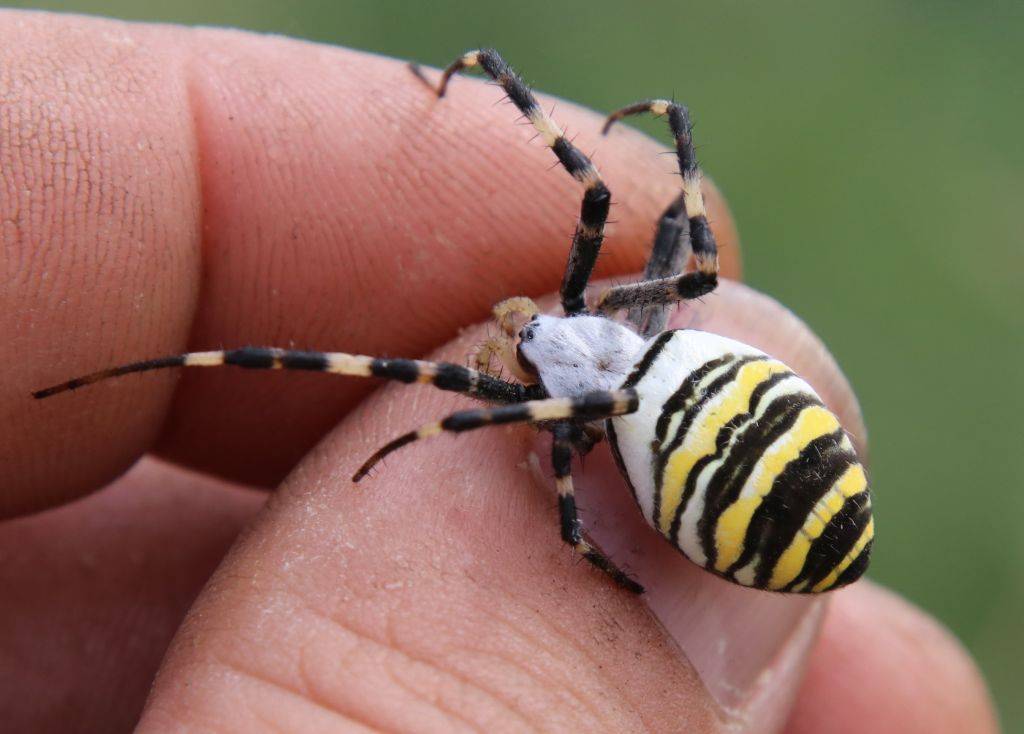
(728, 454)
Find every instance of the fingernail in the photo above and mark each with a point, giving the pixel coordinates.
(748, 646)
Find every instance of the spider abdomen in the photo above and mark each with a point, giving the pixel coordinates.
(736, 461)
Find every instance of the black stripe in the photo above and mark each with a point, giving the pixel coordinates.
(727, 482)
(596, 200)
(682, 130)
(759, 392)
(839, 536)
(572, 530)
(685, 392)
(856, 569)
(690, 414)
(582, 257)
(561, 453)
(403, 370)
(585, 244)
(793, 496)
(252, 358)
(452, 377)
(722, 440)
(177, 360)
(517, 91)
(316, 361)
(466, 420)
(590, 406)
(701, 237)
(514, 86)
(676, 403)
(576, 163)
(600, 404)
(696, 284)
(650, 355)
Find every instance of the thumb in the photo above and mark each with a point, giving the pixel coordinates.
(747, 646)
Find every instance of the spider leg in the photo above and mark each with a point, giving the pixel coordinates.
(666, 252)
(668, 257)
(443, 375)
(589, 406)
(565, 434)
(596, 197)
(654, 293)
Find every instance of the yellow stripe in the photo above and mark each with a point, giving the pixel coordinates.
(865, 538)
(349, 364)
(792, 560)
(550, 409)
(732, 525)
(700, 439)
(698, 390)
(693, 196)
(204, 359)
(549, 131)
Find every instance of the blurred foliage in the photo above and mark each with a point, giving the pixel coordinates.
(872, 156)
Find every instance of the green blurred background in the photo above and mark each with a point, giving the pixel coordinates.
(872, 157)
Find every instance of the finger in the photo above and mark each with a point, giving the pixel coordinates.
(203, 188)
(94, 591)
(883, 666)
(438, 595)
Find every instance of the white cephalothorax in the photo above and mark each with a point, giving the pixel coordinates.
(579, 354)
(729, 455)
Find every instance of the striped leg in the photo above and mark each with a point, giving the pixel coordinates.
(442, 375)
(595, 405)
(565, 434)
(664, 292)
(702, 241)
(596, 198)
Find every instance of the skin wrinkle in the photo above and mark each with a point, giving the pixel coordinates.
(593, 662)
(438, 699)
(364, 637)
(435, 701)
(466, 680)
(300, 697)
(565, 688)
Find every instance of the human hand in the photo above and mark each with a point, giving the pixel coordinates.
(166, 188)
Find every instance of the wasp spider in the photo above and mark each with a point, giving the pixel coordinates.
(729, 455)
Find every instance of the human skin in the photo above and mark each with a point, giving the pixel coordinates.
(166, 189)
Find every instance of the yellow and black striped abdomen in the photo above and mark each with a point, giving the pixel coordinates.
(751, 476)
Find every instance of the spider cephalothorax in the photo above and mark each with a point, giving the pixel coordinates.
(729, 455)
(573, 356)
